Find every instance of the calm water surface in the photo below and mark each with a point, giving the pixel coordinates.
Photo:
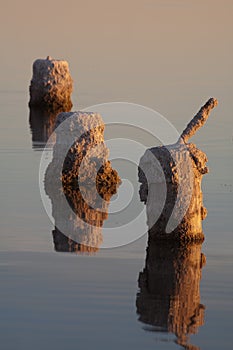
(122, 298)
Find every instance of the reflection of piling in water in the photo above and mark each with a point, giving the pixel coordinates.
(80, 182)
(169, 289)
(42, 122)
(88, 207)
(51, 85)
(170, 179)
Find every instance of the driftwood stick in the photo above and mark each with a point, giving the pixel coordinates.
(198, 121)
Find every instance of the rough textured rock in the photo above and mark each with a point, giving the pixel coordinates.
(169, 289)
(51, 85)
(177, 170)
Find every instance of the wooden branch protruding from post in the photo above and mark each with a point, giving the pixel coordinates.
(198, 121)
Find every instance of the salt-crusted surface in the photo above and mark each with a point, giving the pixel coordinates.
(170, 178)
(51, 84)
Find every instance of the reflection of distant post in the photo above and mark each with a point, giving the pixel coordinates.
(42, 121)
(169, 296)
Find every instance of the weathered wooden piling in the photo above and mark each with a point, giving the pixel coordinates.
(80, 182)
(178, 170)
(51, 85)
(80, 156)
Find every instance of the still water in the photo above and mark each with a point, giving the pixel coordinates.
(122, 298)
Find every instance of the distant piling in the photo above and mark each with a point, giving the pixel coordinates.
(51, 85)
